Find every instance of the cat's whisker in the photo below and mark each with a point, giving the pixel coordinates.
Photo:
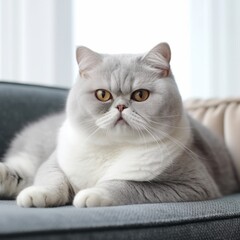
(160, 117)
(166, 125)
(147, 118)
(90, 122)
(141, 135)
(145, 128)
(106, 121)
(157, 140)
(167, 116)
(175, 141)
(138, 123)
(91, 134)
(105, 118)
(107, 132)
(156, 137)
(86, 124)
(179, 144)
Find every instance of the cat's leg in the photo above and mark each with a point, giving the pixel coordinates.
(16, 173)
(112, 193)
(51, 187)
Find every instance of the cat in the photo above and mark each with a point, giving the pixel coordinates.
(124, 138)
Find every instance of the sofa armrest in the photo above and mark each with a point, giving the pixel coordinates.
(222, 116)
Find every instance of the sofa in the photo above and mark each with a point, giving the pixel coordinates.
(21, 104)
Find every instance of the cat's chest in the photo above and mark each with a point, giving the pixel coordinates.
(84, 166)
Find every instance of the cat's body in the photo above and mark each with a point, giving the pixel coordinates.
(125, 139)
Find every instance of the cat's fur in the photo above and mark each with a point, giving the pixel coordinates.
(88, 157)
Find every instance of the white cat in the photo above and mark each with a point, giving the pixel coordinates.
(124, 139)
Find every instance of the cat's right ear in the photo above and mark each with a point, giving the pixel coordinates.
(87, 60)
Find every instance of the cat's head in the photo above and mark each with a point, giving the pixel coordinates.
(119, 98)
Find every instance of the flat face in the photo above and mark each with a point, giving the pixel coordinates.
(124, 98)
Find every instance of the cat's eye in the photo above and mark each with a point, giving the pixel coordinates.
(103, 95)
(140, 95)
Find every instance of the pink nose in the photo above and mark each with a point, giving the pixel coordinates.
(121, 107)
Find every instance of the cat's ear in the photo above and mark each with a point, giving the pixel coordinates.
(87, 60)
(159, 59)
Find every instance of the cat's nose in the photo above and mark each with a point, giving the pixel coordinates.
(121, 107)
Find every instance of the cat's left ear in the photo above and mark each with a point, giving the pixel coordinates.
(159, 59)
(87, 60)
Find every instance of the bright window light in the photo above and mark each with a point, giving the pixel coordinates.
(135, 26)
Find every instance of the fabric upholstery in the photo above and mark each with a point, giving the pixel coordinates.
(215, 219)
(222, 116)
(21, 104)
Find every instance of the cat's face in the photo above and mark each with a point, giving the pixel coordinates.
(124, 97)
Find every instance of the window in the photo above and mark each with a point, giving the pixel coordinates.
(136, 26)
(39, 38)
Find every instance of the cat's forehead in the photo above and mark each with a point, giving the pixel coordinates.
(122, 73)
(121, 80)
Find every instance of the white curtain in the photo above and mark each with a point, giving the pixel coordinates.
(215, 48)
(38, 38)
(36, 41)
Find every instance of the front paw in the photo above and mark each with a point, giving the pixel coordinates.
(9, 182)
(93, 197)
(36, 196)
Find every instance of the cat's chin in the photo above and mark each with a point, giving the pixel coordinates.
(119, 133)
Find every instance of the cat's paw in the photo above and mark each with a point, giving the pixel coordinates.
(3, 172)
(93, 197)
(36, 196)
(9, 182)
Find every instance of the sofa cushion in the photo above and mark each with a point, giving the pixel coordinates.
(215, 219)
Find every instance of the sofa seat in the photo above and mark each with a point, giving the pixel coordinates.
(213, 219)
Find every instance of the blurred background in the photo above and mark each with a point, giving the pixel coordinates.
(38, 39)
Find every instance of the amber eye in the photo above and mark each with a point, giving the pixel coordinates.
(103, 95)
(140, 95)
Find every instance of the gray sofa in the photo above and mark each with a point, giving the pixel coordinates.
(215, 219)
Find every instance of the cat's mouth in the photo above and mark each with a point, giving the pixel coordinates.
(120, 120)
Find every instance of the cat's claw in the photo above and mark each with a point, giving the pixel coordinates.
(35, 196)
(93, 197)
